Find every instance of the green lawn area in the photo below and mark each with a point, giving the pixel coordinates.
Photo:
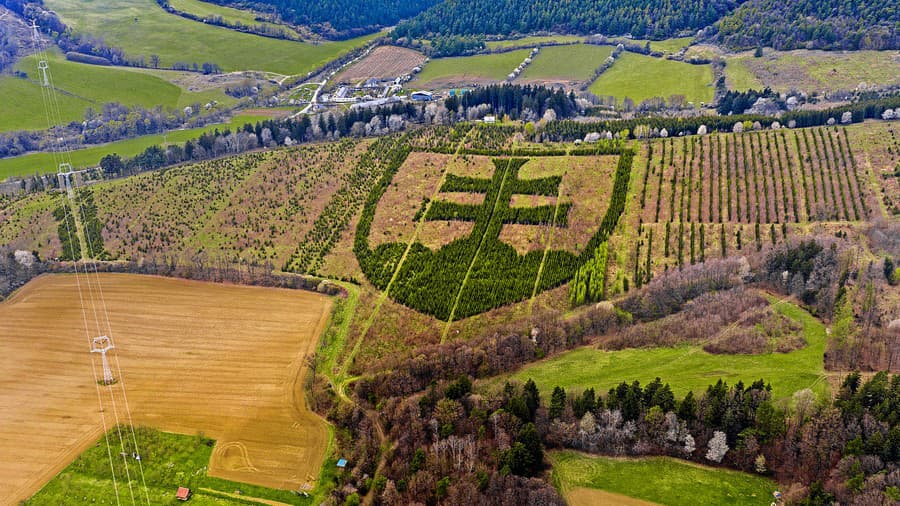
(141, 27)
(739, 77)
(168, 461)
(229, 15)
(463, 69)
(209, 10)
(641, 77)
(812, 70)
(660, 479)
(666, 46)
(576, 62)
(40, 163)
(80, 86)
(688, 367)
(532, 41)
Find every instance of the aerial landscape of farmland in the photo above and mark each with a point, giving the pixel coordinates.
(444, 252)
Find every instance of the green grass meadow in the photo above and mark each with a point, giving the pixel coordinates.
(689, 367)
(168, 462)
(490, 66)
(575, 62)
(80, 86)
(666, 46)
(42, 163)
(532, 41)
(641, 77)
(141, 27)
(660, 479)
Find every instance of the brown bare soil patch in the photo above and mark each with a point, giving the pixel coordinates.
(222, 359)
(525, 238)
(436, 234)
(385, 62)
(588, 186)
(464, 198)
(531, 200)
(592, 497)
(413, 183)
(472, 166)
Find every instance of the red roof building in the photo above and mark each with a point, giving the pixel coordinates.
(183, 494)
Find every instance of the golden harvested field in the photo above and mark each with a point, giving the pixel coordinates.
(385, 62)
(224, 360)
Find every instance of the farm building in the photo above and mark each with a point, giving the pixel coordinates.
(183, 494)
(421, 96)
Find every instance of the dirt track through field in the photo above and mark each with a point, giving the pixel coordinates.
(224, 360)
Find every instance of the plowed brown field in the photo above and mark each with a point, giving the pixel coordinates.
(224, 360)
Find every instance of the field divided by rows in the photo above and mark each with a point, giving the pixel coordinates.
(709, 196)
(258, 207)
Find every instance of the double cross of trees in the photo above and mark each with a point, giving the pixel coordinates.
(477, 273)
(496, 210)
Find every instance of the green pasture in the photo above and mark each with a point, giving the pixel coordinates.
(661, 480)
(143, 28)
(641, 77)
(493, 67)
(41, 163)
(575, 62)
(168, 461)
(533, 41)
(79, 86)
(688, 367)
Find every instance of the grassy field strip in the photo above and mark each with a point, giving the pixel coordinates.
(873, 180)
(384, 293)
(462, 287)
(43, 162)
(240, 497)
(537, 279)
(662, 480)
(687, 367)
(641, 77)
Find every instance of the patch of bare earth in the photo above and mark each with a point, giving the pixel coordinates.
(385, 62)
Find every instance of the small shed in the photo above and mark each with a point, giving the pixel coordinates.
(342, 463)
(490, 119)
(183, 494)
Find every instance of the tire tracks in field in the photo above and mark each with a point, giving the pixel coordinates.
(540, 272)
(468, 275)
(382, 298)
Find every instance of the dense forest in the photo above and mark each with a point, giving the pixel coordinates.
(338, 18)
(812, 24)
(642, 18)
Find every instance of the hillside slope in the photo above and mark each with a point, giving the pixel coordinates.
(813, 24)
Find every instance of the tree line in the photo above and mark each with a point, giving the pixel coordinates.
(452, 442)
(655, 19)
(337, 19)
(569, 130)
(811, 24)
(515, 100)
